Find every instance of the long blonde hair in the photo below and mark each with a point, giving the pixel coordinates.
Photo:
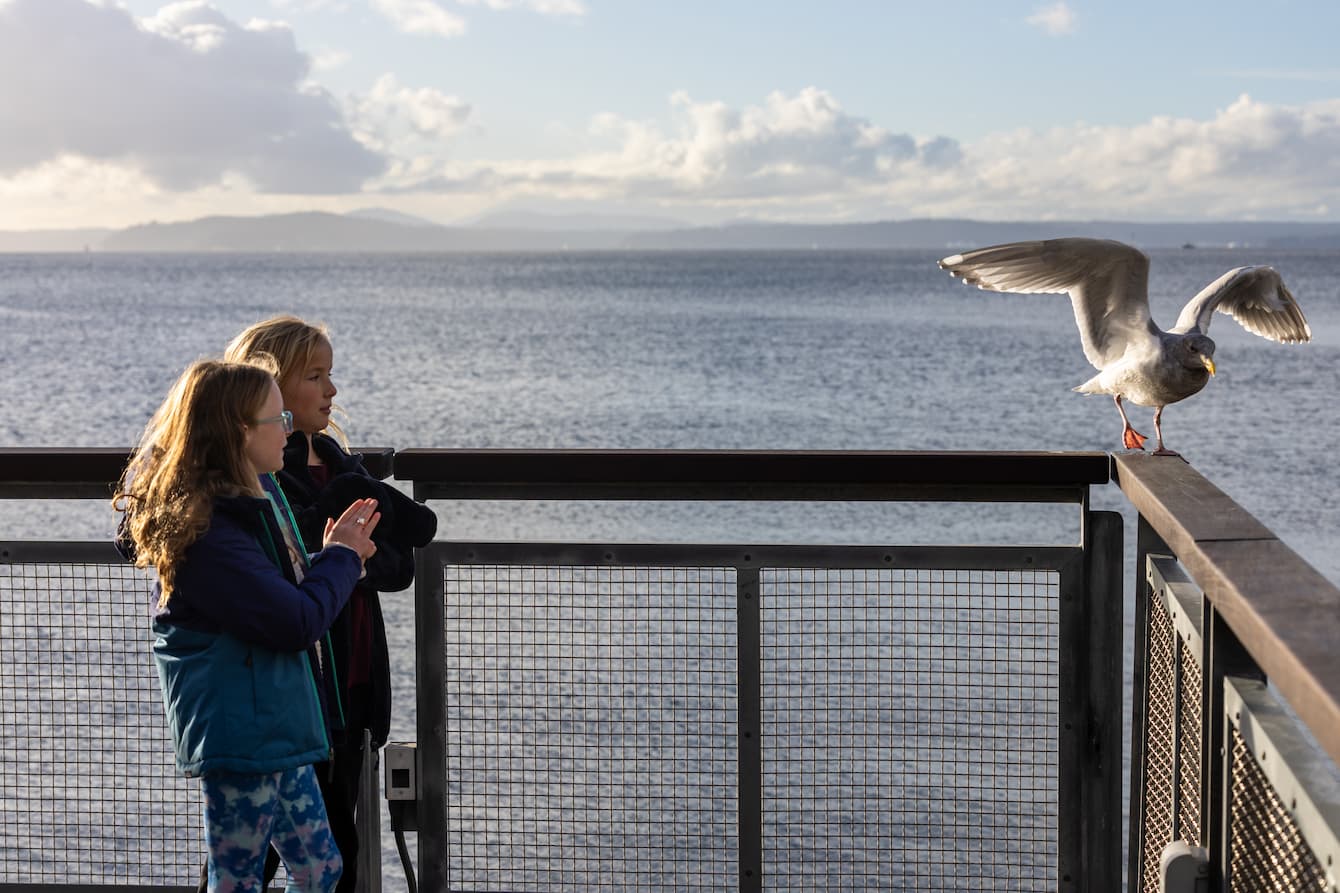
(193, 451)
(290, 341)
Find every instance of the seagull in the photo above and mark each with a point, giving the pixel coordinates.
(1108, 284)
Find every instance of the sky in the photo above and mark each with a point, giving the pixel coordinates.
(118, 112)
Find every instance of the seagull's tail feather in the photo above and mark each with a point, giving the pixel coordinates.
(1092, 386)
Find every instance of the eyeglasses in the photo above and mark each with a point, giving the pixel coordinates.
(286, 417)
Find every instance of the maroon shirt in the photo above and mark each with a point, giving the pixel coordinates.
(360, 620)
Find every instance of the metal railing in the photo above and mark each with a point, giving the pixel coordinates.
(1242, 771)
(708, 717)
(749, 716)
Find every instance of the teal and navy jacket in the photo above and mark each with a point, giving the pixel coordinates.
(234, 646)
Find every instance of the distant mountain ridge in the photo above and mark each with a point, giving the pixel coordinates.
(389, 216)
(379, 230)
(533, 220)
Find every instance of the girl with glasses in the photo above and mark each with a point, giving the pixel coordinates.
(319, 478)
(240, 607)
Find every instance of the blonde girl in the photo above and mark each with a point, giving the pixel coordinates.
(319, 478)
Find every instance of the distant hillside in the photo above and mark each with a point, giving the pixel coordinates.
(533, 220)
(390, 216)
(377, 230)
(318, 231)
(949, 234)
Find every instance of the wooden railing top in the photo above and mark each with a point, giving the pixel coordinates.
(91, 472)
(752, 474)
(1281, 608)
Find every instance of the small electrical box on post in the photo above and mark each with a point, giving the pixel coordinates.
(401, 775)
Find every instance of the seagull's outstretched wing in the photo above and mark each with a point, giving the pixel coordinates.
(1107, 283)
(1256, 297)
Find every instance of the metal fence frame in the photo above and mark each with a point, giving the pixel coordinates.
(1089, 761)
(1263, 612)
(1221, 760)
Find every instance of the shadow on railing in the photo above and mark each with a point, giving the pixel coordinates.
(749, 716)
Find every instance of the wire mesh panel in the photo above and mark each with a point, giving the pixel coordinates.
(1160, 742)
(591, 728)
(910, 729)
(1173, 768)
(1191, 686)
(89, 790)
(1267, 850)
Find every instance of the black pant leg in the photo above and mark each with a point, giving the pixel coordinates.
(339, 788)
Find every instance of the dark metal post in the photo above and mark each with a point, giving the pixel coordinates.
(1147, 543)
(1224, 656)
(368, 819)
(430, 706)
(1091, 650)
(749, 676)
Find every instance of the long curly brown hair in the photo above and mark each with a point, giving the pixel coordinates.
(192, 452)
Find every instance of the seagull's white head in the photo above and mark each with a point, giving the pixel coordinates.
(1198, 353)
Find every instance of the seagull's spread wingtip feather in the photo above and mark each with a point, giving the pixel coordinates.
(953, 260)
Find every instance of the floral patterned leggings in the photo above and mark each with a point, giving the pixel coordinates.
(245, 813)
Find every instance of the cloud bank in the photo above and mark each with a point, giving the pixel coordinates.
(790, 148)
(189, 111)
(804, 156)
(187, 98)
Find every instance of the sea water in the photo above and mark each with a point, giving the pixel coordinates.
(789, 350)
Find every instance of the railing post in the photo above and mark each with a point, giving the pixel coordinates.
(430, 706)
(1224, 656)
(368, 821)
(1147, 543)
(749, 686)
(1093, 637)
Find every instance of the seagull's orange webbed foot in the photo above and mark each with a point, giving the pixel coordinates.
(1133, 439)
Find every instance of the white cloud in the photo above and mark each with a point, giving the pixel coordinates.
(329, 60)
(186, 98)
(395, 117)
(311, 5)
(1250, 160)
(802, 156)
(1057, 19)
(544, 7)
(421, 17)
(800, 147)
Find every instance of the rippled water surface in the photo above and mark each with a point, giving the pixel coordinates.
(817, 350)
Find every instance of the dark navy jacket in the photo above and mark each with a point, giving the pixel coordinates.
(232, 645)
(405, 524)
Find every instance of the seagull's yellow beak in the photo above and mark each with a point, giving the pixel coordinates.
(1209, 363)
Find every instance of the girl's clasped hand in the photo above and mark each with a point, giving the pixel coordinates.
(353, 529)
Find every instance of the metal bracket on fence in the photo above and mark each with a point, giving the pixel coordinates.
(1182, 598)
(1184, 868)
